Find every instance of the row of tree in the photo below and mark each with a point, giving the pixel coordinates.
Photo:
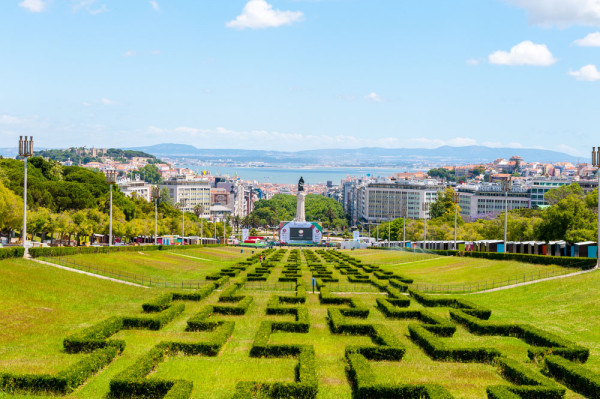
(66, 202)
(571, 216)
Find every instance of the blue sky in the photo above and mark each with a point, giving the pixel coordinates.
(301, 74)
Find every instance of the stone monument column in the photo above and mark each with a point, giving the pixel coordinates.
(300, 215)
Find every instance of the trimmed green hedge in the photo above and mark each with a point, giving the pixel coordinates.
(159, 303)
(462, 304)
(544, 342)
(95, 337)
(437, 349)
(65, 381)
(363, 382)
(156, 322)
(12, 252)
(565, 261)
(573, 375)
(239, 309)
(433, 323)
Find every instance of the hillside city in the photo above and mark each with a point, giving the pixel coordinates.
(366, 199)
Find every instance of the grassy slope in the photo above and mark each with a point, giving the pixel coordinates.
(447, 270)
(569, 307)
(172, 265)
(40, 305)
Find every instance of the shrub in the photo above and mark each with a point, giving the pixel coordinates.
(197, 295)
(580, 263)
(94, 337)
(12, 252)
(545, 342)
(438, 350)
(155, 322)
(239, 309)
(159, 303)
(464, 305)
(575, 376)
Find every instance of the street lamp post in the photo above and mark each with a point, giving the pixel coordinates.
(455, 199)
(425, 209)
(25, 151)
(183, 203)
(506, 187)
(404, 216)
(111, 178)
(155, 196)
(596, 163)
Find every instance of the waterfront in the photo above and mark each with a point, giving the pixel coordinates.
(312, 175)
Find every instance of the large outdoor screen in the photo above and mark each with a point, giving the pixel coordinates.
(301, 234)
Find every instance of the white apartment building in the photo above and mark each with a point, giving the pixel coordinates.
(136, 187)
(194, 191)
(478, 200)
(377, 202)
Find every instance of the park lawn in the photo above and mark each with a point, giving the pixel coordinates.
(31, 335)
(454, 269)
(170, 265)
(569, 307)
(41, 305)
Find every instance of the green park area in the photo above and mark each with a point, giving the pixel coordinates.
(242, 332)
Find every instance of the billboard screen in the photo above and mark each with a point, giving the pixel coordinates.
(301, 234)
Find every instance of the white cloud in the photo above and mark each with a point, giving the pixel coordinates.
(524, 53)
(9, 120)
(89, 6)
(107, 101)
(473, 61)
(129, 53)
(374, 97)
(34, 5)
(259, 14)
(588, 73)
(561, 12)
(155, 5)
(591, 40)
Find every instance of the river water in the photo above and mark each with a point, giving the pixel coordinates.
(311, 175)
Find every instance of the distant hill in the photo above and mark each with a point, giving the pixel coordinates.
(361, 156)
(9, 152)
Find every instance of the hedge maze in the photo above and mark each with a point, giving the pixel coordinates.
(391, 326)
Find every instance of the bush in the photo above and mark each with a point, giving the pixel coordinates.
(65, 381)
(438, 350)
(159, 303)
(239, 309)
(12, 252)
(94, 337)
(575, 376)
(197, 295)
(545, 342)
(464, 305)
(565, 261)
(155, 322)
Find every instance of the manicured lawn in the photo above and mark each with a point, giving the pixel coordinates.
(40, 305)
(188, 264)
(425, 268)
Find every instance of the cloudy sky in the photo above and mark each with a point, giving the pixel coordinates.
(301, 74)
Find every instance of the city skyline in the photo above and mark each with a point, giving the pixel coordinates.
(293, 75)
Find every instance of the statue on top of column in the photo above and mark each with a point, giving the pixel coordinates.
(301, 184)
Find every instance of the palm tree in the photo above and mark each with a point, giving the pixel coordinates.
(199, 210)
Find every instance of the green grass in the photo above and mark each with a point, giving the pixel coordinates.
(190, 264)
(40, 305)
(432, 269)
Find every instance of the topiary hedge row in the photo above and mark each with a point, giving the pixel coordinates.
(544, 342)
(365, 386)
(11, 252)
(388, 346)
(155, 322)
(565, 261)
(437, 349)
(462, 304)
(65, 381)
(573, 375)
(433, 323)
